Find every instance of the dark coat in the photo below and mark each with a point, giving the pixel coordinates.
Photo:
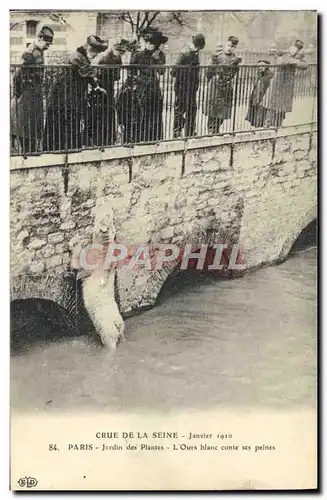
(101, 114)
(26, 109)
(148, 92)
(108, 76)
(260, 87)
(219, 99)
(187, 79)
(280, 95)
(67, 103)
(147, 74)
(256, 112)
(129, 112)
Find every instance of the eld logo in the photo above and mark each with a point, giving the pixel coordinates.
(27, 482)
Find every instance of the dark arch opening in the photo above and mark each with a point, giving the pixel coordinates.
(181, 281)
(190, 279)
(306, 239)
(37, 321)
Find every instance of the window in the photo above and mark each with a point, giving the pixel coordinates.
(112, 26)
(31, 28)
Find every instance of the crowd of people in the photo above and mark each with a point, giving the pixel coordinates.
(81, 106)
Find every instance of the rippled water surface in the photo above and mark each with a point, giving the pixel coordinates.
(250, 341)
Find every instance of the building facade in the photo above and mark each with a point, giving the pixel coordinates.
(71, 29)
(256, 30)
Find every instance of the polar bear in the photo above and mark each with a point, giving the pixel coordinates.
(98, 288)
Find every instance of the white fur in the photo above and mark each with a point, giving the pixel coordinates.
(99, 300)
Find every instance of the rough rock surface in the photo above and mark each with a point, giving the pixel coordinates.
(260, 193)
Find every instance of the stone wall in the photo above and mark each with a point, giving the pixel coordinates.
(256, 189)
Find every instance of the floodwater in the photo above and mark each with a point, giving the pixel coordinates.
(208, 343)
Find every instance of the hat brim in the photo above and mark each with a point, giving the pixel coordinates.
(121, 50)
(97, 45)
(48, 39)
(98, 48)
(155, 39)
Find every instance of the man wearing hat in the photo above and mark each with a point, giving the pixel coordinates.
(219, 99)
(186, 74)
(68, 100)
(102, 122)
(26, 111)
(146, 73)
(279, 98)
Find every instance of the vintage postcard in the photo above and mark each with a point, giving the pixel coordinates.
(163, 216)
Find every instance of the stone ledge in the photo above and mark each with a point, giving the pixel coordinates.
(119, 152)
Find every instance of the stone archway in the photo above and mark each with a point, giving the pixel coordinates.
(210, 235)
(302, 223)
(62, 290)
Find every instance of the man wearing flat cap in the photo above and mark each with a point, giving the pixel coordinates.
(68, 101)
(220, 75)
(279, 98)
(186, 74)
(26, 111)
(233, 40)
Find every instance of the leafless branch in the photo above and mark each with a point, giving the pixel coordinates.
(243, 21)
(143, 20)
(155, 15)
(177, 16)
(146, 16)
(130, 20)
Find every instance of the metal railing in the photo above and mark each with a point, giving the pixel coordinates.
(53, 109)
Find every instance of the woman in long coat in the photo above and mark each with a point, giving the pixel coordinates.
(67, 103)
(279, 98)
(219, 101)
(148, 86)
(101, 116)
(26, 109)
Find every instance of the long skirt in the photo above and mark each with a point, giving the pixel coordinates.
(274, 118)
(129, 115)
(150, 126)
(256, 115)
(100, 121)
